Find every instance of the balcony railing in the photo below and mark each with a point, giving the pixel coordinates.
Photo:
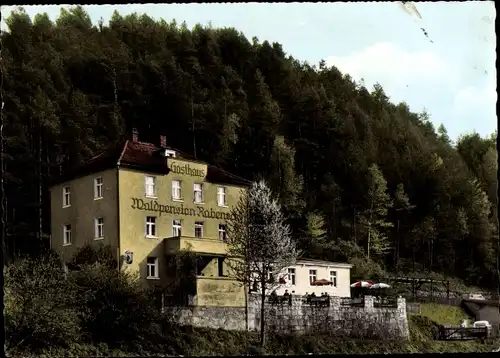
(198, 245)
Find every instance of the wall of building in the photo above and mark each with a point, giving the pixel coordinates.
(135, 207)
(219, 292)
(303, 284)
(82, 212)
(337, 319)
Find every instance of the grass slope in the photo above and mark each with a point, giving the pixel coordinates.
(442, 314)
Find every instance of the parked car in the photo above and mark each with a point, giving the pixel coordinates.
(476, 296)
(480, 324)
(483, 324)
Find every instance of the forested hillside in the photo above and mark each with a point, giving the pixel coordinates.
(360, 177)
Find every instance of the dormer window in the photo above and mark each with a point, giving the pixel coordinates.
(170, 153)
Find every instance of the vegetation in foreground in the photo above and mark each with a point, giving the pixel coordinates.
(189, 341)
(96, 310)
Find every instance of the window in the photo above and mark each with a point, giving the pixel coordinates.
(66, 197)
(152, 267)
(98, 188)
(176, 228)
(222, 232)
(99, 228)
(291, 275)
(333, 278)
(220, 266)
(176, 190)
(221, 196)
(198, 229)
(270, 273)
(67, 234)
(198, 193)
(150, 183)
(170, 153)
(312, 276)
(151, 226)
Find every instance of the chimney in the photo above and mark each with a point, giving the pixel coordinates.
(163, 141)
(135, 135)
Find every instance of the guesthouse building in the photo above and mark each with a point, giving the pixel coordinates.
(309, 276)
(148, 202)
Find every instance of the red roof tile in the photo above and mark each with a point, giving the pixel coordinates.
(145, 157)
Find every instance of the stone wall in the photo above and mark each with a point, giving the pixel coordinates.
(230, 318)
(340, 319)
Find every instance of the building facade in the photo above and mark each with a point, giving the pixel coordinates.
(309, 276)
(149, 202)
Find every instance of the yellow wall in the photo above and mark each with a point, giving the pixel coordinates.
(84, 208)
(132, 219)
(124, 208)
(203, 245)
(220, 292)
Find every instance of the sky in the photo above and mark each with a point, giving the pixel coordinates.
(447, 69)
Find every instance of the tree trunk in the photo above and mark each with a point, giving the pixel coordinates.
(368, 243)
(397, 249)
(431, 249)
(262, 310)
(413, 249)
(354, 224)
(370, 221)
(40, 186)
(246, 288)
(3, 211)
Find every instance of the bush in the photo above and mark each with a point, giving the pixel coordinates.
(39, 306)
(113, 307)
(47, 309)
(88, 255)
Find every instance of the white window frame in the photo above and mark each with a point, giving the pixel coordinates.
(292, 276)
(170, 153)
(66, 195)
(152, 266)
(67, 234)
(176, 227)
(313, 274)
(176, 190)
(221, 193)
(150, 229)
(222, 232)
(198, 189)
(150, 188)
(98, 188)
(198, 225)
(333, 278)
(99, 225)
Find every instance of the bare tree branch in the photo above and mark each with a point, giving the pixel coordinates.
(259, 242)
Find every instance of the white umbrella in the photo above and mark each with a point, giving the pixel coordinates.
(380, 285)
(362, 284)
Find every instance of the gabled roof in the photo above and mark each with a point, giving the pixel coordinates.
(306, 261)
(145, 157)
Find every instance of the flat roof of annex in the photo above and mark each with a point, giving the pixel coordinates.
(145, 157)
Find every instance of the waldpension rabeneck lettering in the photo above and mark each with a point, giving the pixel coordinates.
(186, 170)
(153, 205)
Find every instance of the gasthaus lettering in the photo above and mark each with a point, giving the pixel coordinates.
(185, 169)
(153, 205)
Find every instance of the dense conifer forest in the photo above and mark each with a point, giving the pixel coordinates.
(360, 178)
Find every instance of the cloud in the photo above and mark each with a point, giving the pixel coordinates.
(424, 79)
(395, 68)
(474, 107)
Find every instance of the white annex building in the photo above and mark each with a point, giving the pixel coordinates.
(308, 276)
